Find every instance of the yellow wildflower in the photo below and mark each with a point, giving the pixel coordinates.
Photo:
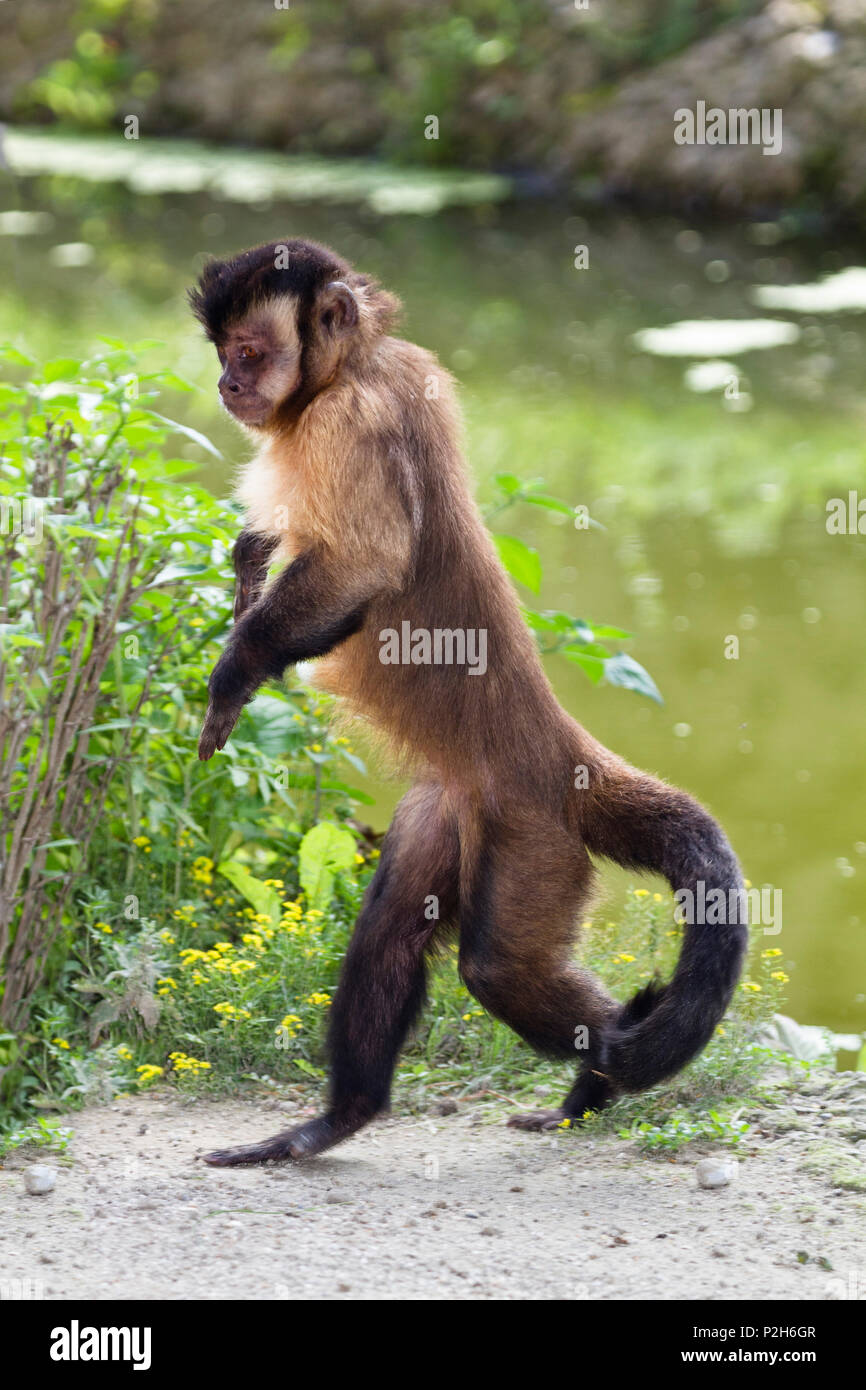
(147, 1073)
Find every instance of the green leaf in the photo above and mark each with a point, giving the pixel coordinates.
(323, 850)
(624, 671)
(508, 483)
(521, 562)
(61, 369)
(861, 1059)
(19, 635)
(616, 633)
(582, 634)
(178, 571)
(552, 504)
(259, 895)
(307, 1067)
(592, 665)
(587, 648)
(195, 435)
(10, 354)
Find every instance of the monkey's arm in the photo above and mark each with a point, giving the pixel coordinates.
(251, 554)
(309, 608)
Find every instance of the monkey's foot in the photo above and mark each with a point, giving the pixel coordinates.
(286, 1147)
(539, 1119)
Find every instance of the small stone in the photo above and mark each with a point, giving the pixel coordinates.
(444, 1107)
(39, 1178)
(716, 1172)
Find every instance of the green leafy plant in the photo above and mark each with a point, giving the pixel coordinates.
(102, 797)
(43, 1134)
(679, 1130)
(579, 641)
(323, 851)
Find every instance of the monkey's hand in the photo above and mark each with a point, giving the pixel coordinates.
(230, 686)
(218, 724)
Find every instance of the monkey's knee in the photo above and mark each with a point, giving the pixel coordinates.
(490, 979)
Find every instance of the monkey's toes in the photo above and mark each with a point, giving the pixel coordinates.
(276, 1150)
(538, 1119)
(288, 1146)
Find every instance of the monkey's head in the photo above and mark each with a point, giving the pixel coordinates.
(285, 318)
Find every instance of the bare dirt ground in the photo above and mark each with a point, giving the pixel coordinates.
(451, 1207)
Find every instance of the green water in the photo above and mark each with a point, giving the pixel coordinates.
(714, 516)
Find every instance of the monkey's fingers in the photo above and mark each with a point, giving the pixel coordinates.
(218, 724)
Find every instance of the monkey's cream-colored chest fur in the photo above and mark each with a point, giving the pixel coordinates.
(270, 491)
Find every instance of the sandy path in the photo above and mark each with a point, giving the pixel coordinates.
(455, 1207)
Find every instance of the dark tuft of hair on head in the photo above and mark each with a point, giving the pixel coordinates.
(227, 289)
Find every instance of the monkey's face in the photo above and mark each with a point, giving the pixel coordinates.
(284, 318)
(261, 363)
(282, 353)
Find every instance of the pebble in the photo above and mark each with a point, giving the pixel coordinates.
(39, 1178)
(444, 1107)
(716, 1172)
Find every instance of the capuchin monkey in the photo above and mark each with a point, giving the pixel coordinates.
(358, 486)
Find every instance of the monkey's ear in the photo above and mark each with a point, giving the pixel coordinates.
(338, 308)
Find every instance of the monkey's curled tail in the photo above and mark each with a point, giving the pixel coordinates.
(643, 824)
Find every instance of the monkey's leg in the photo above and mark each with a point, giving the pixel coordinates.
(382, 984)
(251, 555)
(519, 901)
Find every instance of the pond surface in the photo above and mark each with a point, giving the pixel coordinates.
(711, 480)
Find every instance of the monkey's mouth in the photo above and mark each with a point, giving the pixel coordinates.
(248, 412)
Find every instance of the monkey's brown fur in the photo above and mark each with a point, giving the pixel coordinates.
(360, 487)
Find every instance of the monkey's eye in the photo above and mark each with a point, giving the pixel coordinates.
(249, 354)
